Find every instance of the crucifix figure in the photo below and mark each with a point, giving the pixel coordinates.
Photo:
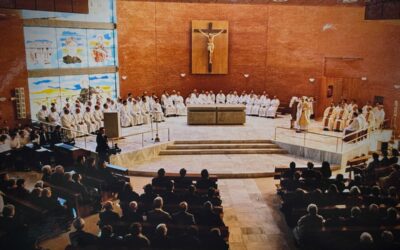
(210, 34)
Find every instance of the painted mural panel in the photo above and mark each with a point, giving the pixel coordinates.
(99, 11)
(103, 86)
(72, 48)
(43, 91)
(101, 47)
(40, 47)
(72, 87)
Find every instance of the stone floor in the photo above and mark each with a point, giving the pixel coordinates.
(176, 128)
(224, 164)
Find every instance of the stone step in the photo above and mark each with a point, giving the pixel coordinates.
(223, 142)
(222, 146)
(223, 151)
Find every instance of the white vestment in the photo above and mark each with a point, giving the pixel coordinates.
(180, 106)
(271, 112)
(220, 99)
(80, 124)
(125, 116)
(67, 121)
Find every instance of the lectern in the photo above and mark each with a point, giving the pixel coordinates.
(112, 124)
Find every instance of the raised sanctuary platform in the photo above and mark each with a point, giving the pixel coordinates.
(219, 114)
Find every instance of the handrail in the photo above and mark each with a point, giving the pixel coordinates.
(308, 132)
(55, 125)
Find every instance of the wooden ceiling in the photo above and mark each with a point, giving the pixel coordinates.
(288, 2)
(72, 6)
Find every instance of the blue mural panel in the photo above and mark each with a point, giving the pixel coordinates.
(40, 48)
(43, 91)
(101, 47)
(104, 86)
(99, 11)
(72, 87)
(72, 48)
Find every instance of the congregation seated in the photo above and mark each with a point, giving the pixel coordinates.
(205, 182)
(161, 239)
(136, 237)
(126, 196)
(108, 216)
(158, 215)
(160, 181)
(207, 217)
(183, 217)
(13, 232)
(308, 225)
(182, 182)
(131, 214)
(81, 238)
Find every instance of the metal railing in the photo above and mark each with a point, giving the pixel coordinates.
(87, 137)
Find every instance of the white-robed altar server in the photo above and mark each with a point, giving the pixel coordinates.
(273, 108)
(220, 98)
(243, 98)
(370, 118)
(213, 97)
(170, 109)
(180, 105)
(42, 114)
(157, 112)
(80, 124)
(68, 122)
(125, 115)
(136, 113)
(54, 116)
(256, 106)
(249, 104)
(303, 115)
(188, 100)
(229, 97)
(98, 116)
(265, 104)
(90, 121)
(379, 113)
(145, 108)
(208, 98)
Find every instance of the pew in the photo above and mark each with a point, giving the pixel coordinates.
(26, 208)
(357, 164)
(73, 199)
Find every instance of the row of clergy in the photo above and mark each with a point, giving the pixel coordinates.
(337, 118)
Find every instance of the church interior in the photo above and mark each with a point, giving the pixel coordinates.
(199, 124)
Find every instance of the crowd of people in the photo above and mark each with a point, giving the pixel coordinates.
(175, 213)
(349, 117)
(82, 118)
(336, 206)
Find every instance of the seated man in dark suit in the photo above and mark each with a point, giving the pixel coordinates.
(207, 217)
(169, 196)
(182, 182)
(160, 181)
(205, 182)
(15, 234)
(395, 157)
(131, 214)
(107, 239)
(20, 191)
(148, 196)
(385, 162)
(190, 240)
(158, 215)
(183, 217)
(57, 178)
(136, 238)
(80, 238)
(310, 172)
(288, 174)
(161, 239)
(56, 135)
(78, 186)
(215, 241)
(108, 216)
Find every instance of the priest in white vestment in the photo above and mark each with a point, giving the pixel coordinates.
(145, 108)
(157, 112)
(256, 106)
(180, 105)
(220, 98)
(170, 109)
(68, 122)
(43, 114)
(80, 124)
(54, 117)
(271, 112)
(89, 120)
(98, 116)
(249, 104)
(328, 119)
(265, 104)
(212, 97)
(125, 115)
(379, 113)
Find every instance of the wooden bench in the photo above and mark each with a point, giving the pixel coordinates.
(281, 169)
(73, 198)
(27, 208)
(356, 164)
(172, 208)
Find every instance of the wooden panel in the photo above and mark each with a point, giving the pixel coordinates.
(391, 10)
(351, 89)
(210, 55)
(63, 5)
(80, 6)
(47, 5)
(67, 24)
(26, 4)
(7, 4)
(77, 71)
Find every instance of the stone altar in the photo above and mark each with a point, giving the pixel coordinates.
(212, 114)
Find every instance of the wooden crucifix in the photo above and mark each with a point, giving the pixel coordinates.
(210, 34)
